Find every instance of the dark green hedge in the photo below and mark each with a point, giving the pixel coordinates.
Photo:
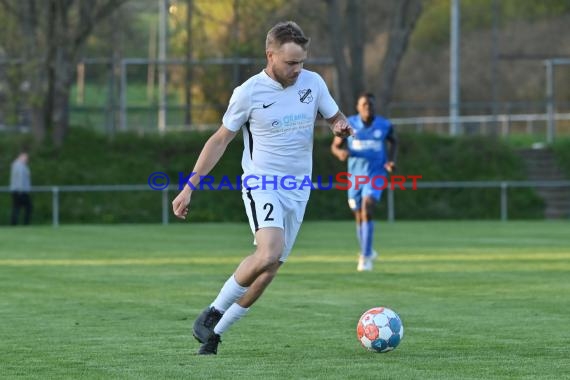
(562, 151)
(91, 159)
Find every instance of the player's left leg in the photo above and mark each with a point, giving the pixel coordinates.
(371, 195)
(367, 213)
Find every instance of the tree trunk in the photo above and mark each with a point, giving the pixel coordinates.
(38, 122)
(112, 117)
(50, 64)
(406, 13)
(34, 69)
(189, 68)
(60, 107)
(60, 119)
(337, 47)
(355, 19)
(53, 32)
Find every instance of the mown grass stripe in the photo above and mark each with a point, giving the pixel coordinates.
(538, 256)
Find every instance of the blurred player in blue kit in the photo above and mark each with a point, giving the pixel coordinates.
(367, 156)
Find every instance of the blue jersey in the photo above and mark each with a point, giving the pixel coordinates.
(367, 154)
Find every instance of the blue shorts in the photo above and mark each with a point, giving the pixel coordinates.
(372, 189)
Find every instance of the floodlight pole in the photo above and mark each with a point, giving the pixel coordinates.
(494, 72)
(123, 96)
(162, 30)
(454, 68)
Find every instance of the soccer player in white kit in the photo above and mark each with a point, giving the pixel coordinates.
(276, 109)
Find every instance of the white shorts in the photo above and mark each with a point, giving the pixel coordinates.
(271, 208)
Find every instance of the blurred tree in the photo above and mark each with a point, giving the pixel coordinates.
(338, 45)
(53, 32)
(188, 68)
(202, 29)
(433, 29)
(218, 29)
(401, 18)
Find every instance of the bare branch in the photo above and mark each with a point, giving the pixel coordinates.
(337, 46)
(89, 18)
(406, 13)
(9, 8)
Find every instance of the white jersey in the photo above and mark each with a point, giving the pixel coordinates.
(278, 126)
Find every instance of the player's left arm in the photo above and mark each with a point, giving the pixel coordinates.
(392, 142)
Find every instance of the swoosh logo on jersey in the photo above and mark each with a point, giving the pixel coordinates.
(268, 105)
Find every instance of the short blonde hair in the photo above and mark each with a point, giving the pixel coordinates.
(286, 31)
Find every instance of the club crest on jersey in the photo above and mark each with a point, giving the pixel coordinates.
(377, 134)
(305, 96)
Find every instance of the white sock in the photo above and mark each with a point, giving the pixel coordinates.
(231, 316)
(230, 293)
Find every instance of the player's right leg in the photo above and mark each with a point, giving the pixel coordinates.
(253, 274)
(270, 242)
(365, 261)
(354, 203)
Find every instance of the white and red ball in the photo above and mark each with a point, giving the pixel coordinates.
(380, 329)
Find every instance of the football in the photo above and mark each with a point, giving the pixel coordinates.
(380, 329)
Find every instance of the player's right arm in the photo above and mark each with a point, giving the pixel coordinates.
(338, 148)
(209, 157)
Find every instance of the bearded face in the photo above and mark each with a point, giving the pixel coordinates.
(284, 64)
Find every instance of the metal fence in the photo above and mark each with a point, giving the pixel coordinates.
(503, 124)
(501, 186)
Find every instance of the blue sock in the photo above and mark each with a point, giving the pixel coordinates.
(367, 238)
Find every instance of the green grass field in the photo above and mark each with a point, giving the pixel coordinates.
(479, 300)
